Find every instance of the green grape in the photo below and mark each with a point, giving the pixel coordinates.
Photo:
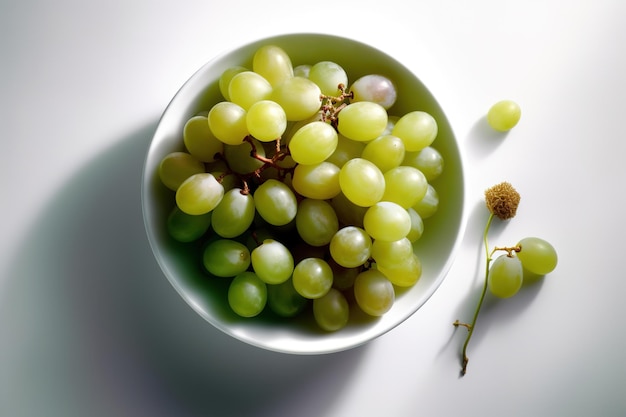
(505, 276)
(348, 213)
(373, 292)
(284, 300)
(417, 130)
(176, 167)
(272, 262)
(319, 181)
(385, 152)
(234, 214)
(316, 222)
(312, 278)
(504, 115)
(247, 294)
(417, 225)
(387, 221)
(299, 97)
(239, 158)
(537, 255)
(184, 227)
(313, 143)
(346, 150)
(227, 121)
(428, 160)
(226, 258)
(350, 247)
(302, 70)
(228, 75)
(343, 278)
(405, 273)
(200, 141)
(375, 88)
(328, 75)
(199, 194)
(391, 252)
(266, 120)
(362, 121)
(362, 182)
(248, 87)
(331, 311)
(405, 185)
(275, 202)
(273, 63)
(428, 205)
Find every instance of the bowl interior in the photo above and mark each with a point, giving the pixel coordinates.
(207, 296)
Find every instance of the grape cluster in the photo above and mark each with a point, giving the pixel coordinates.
(504, 275)
(304, 190)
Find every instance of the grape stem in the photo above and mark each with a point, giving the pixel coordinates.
(472, 326)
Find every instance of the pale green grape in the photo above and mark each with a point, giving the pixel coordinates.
(362, 182)
(316, 222)
(184, 227)
(427, 160)
(429, 204)
(226, 258)
(228, 75)
(375, 88)
(200, 141)
(348, 213)
(275, 202)
(272, 262)
(351, 246)
(247, 294)
(373, 292)
(405, 185)
(239, 158)
(328, 75)
(391, 252)
(234, 214)
(387, 221)
(302, 70)
(199, 194)
(273, 63)
(362, 121)
(504, 115)
(331, 311)
(299, 97)
(227, 121)
(319, 181)
(313, 143)
(248, 87)
(417, 130)
(346, 150)
(266, 120)
(537, 255)
(505, 276)
(405, 273)
(417, 225)
(284, 300)
(312, 278)
(176, 167)
(385, 152)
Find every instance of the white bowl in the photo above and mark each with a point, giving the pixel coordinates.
(181, 265)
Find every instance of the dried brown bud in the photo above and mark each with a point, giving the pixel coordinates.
(502, 200)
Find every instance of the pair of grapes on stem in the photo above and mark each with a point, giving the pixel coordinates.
(504, 275)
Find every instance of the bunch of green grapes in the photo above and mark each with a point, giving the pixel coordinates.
(307, 190)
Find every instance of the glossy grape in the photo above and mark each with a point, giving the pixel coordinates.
(504, 115)
(387, 221)
(331, 311)
(234, 214)
(373, 292)
(312, 278)
(226, 258)
(199, 194)
(351, 246)
(272, 262)
(505, 276)
(417, 130)
(247, 294)
(537, 255)
(362, 121)
(187, 228)
(176, 167)
(362, 182)
(275, 202)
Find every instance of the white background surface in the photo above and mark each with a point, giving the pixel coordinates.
(89, 326)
